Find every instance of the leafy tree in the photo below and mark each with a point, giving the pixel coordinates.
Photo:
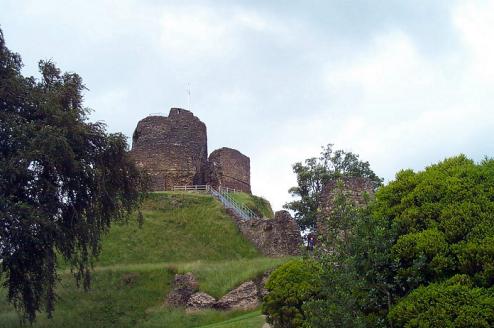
(290, 286)
(336, 305)
(314, 173)
(63, 181)
(420, 255)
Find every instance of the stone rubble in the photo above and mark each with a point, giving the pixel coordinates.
(184, 286)
(275, 237)
(185, 293)
(200, 301)
(243, 297)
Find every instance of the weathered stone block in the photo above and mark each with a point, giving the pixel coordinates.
(243, 297)
(200, 301)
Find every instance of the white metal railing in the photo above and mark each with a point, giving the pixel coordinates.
(199, 188)
(242, 211)
(223, 195)
(204, 188)
(227, 190)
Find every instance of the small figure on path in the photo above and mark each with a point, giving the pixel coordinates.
(310, 242)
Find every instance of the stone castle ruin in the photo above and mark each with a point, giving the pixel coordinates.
(357, 190)
(279, 236)
(173, 150)
(229, 167)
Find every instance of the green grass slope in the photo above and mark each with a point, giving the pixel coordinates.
(178, 227)
(181, 233)
(250, 320)
(257, 204)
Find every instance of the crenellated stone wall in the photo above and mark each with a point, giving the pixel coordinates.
(172, 150)
(229, 168)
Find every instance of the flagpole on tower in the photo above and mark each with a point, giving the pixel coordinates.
(188, 95)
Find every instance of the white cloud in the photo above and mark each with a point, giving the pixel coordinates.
(278, 84)
(475, 23)
(399, 108)
(197, 31)
(193, 31)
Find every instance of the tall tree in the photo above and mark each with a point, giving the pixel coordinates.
(314, 173)
(63, 181)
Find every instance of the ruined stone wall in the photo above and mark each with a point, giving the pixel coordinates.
(172, 150)
(358, 190)
(273, 237)
(229, 168)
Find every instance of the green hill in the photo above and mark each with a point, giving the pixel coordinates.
(181, 232)
(257, 204)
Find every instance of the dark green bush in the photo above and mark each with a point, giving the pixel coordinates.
(454, 303)
(290, 286)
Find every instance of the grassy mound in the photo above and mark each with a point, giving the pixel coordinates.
(178, 227)
(257, 204)
(181, 232)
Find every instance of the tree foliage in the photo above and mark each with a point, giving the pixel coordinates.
(290, 286)
(314, 173)
(421, 255)
(63, 181)
(454, 303)
(336, 304)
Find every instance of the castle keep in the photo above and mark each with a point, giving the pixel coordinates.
(173, 151)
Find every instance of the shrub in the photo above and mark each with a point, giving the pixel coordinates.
(451, 304)
(290, 286)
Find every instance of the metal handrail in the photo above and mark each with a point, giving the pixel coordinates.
(241, 207)
(243, 212)
(227, 189)
(191, 188)
(222, 194)
(204, 188)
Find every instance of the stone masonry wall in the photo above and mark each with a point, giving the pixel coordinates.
(355, 188)
(172, 150)
(229, 168)
(273, 237)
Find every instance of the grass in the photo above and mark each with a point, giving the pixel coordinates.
(249, 320)
(111, 302)
(181, 233)
(178, 227)
(209, 318)
(218, 278)
(257, 204)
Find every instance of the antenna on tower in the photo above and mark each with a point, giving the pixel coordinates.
(188, 94)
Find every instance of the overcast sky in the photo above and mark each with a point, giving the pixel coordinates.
(402, 83)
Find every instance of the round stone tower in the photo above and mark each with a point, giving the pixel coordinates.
(172, 150)
(229, 168)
